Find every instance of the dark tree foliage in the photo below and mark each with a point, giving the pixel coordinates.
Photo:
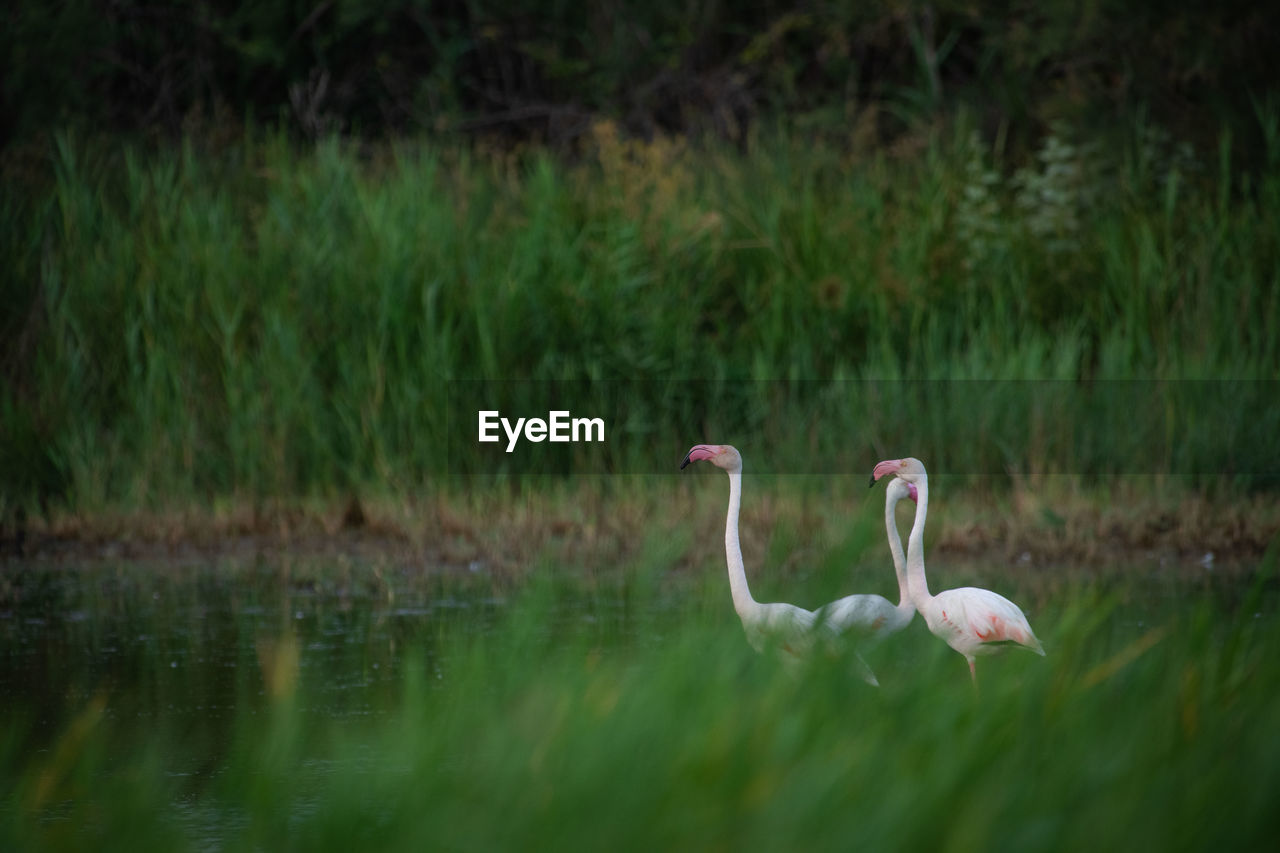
(542, 69)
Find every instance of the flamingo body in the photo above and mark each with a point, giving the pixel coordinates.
(970, 620)
(977, 621)
(867, 615)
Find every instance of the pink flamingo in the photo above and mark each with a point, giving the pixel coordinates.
(792, 629)
(874, 617)
(970, 620)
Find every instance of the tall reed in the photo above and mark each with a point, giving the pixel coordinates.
(274, 321)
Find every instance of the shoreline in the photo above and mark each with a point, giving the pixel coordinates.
(504, 535)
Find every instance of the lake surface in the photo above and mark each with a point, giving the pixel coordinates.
(202, 640)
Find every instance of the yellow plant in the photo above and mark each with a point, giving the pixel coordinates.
(645, 181)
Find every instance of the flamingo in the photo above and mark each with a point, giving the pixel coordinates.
(970, 620)
(792, 629)
(874, 617)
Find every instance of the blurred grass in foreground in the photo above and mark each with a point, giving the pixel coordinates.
(267, 322)
(634, 720)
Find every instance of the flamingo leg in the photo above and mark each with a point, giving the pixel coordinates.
(973, 674)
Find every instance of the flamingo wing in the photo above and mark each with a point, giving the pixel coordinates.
(867, 615)
(979, 621)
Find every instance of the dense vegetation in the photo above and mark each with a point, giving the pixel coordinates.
(309, 708)
(276, 322)
(252, 251)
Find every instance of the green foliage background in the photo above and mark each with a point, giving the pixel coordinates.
(249, 247)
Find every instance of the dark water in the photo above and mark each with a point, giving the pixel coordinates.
(192, 645)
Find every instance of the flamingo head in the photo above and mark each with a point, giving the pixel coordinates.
(720, 455)
(909, 469)
(899, 489)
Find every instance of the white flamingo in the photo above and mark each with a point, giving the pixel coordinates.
(794, 630)
(970, 620)
(874, 617)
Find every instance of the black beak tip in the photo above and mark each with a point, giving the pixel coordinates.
(685, 463)
(873, 481)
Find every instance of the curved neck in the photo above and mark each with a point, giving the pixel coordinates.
(895, 548)
(742, 600)
(915, 547)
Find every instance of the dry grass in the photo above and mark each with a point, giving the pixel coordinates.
(596, 528)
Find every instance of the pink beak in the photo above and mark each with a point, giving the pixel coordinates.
(913, 493)
(699, 452)
(888, 466)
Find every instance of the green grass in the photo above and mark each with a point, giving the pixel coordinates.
(265, 321)
(632, 715)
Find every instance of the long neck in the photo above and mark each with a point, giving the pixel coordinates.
(742, 600)
(915, 547)
(895, 548)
